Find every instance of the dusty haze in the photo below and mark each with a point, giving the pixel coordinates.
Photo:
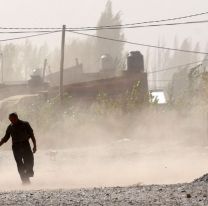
(159, 145)
(152, 147)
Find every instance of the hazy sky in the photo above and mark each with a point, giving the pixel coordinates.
(53, 13)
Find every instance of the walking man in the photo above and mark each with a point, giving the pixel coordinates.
(21, 132)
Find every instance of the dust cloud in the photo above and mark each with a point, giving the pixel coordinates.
(149, 147)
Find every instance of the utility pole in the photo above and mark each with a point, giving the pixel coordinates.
(62, 62)
(44, 69)
(2, 68)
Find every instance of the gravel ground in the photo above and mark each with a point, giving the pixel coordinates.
(195, 194)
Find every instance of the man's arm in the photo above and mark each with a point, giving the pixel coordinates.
(34, 144)
(32, 136)
(1, 142)
(6, 136)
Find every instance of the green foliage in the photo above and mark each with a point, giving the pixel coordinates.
(44, 115)
(130, 101)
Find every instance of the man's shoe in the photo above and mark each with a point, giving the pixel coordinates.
(30, 173)
(26, 181)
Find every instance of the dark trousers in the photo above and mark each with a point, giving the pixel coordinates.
(24, 158)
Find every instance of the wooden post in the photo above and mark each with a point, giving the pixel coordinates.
(2, 68)
(44, 69)
(62, 63)
(206, 139)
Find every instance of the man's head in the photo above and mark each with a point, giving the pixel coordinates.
(13, 117)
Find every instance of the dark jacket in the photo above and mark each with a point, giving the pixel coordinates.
(19, 132)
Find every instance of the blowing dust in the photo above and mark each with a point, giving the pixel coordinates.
(152, 147)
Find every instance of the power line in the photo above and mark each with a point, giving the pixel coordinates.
(140, 26)
(178, 66)
(24, 32)
(29, 30)
(139, 44)
(33, 30)
(106, 26)
(28, 36)
(165, 69)
(171, 80)
(148, 22)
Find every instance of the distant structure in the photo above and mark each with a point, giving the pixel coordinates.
(135, 62)
(158, 96)
(71, 75)
(75, 74)
(107, 80)
(35, 85)
(79, 84)
(36, 79)
(107, 63)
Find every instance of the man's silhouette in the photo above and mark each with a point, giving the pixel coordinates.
(21, 132)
